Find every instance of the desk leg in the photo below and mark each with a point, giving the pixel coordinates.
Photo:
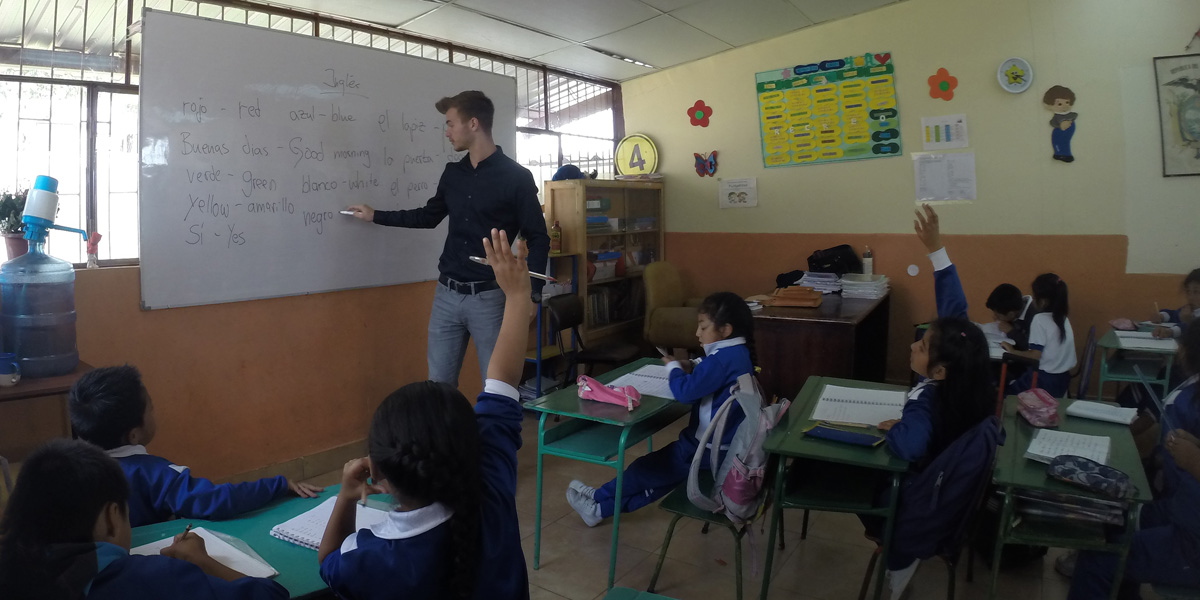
(537, 519)
(1103, 356)
(1131, 527)
(1005, 517)
(893, 500)
(1167, 376)
(618, 500)
(776, 513)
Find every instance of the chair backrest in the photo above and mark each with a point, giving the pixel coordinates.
(664, 288)
(937, 503)
(1085, 367)
(566, 314)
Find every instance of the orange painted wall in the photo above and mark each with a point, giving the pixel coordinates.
(1092, 265)
(248, 384)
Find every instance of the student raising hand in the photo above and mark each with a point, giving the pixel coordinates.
(512, 273)
(927, 228)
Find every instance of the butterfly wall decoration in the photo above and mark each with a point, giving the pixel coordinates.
(706, 165)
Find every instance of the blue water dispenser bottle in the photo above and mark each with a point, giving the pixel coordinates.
(37, 293)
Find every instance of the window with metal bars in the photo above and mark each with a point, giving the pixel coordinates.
(69, 105)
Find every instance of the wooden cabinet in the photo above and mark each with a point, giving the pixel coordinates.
(617, 227)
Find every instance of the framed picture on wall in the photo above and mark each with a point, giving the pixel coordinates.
(1177, 79)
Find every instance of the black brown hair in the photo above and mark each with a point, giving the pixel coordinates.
(1057, 92)
(966, 396)
(1053, 290)
(470, 105)
(106, 404)
(424, 439)
(728, 308)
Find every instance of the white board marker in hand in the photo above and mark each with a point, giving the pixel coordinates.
(348, 212)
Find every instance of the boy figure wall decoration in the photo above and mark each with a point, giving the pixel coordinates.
(1060, 100)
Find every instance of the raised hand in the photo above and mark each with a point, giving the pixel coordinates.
(927, 228)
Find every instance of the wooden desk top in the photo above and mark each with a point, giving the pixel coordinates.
(43, 386)
(833, 309)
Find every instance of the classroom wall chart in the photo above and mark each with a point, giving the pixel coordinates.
(829, 111)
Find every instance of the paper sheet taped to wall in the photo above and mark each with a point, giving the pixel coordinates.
(944, 177)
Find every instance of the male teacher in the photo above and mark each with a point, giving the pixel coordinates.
(485, 189)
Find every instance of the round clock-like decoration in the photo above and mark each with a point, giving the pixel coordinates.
(1015, 75)
(636, 155)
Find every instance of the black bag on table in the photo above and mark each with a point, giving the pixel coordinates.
(838, 259)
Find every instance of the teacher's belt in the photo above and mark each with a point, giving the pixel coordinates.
(468, 287)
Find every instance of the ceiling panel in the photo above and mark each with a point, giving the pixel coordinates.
(390, 13)
(669, 5)
(477, 31)
(577, 20)
(590, 62)
(744, 22)
(826, 10)
(661, 41)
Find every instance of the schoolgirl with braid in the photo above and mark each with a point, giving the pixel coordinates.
(452, 471)
(725, 329)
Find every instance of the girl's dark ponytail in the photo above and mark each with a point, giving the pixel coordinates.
(424, 439)
(966, 396)
(1053, 290)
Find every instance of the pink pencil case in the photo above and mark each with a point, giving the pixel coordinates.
(625, 395)
(1038, 407)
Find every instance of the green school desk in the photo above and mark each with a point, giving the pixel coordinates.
(1015, 472)
(854, 493)
(297, 565)
(1116, 363)
(597, 433)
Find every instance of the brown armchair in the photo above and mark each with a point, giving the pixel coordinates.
(670, 319)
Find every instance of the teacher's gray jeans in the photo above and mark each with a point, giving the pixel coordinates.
(455, 318)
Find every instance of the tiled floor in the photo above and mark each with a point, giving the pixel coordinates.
(828, 565)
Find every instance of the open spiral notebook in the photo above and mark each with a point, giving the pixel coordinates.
(307, 528)
(859, 406)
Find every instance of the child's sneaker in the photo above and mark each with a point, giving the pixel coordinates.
(586, 490)
(588, 509)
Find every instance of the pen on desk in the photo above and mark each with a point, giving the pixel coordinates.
(483, 261)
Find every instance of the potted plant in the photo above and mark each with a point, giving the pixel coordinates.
(12, 208)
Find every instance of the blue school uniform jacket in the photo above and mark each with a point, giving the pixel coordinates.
(403, 556)
(160, 490)
(121, 576)
(1172, 319)
(912, 437)
(1181, 491)
(706, 388)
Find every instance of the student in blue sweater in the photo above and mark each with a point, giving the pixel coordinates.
(1173, 322)
(725, 328)
(452, 472)
(66, 535)
(1166, 547)
(111, 408)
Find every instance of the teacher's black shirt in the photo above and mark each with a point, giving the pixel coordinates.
(498, 193)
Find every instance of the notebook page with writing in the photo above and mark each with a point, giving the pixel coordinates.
(1102, 412)
(853, 405)
(307, 529)
(219, 549)
(1142, 343)
(1048, 443)
(650, 380)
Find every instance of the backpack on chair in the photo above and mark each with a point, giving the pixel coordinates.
(738, 481)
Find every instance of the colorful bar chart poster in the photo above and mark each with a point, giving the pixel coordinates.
(944, 133)
(828, 111)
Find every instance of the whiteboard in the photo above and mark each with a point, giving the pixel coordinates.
(252, 140)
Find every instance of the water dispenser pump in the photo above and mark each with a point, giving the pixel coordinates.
(41, 207)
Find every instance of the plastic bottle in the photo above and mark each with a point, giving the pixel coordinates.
(556, 239)
(868, 261)
(37, 299)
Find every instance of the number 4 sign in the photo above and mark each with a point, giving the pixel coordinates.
(636, 155)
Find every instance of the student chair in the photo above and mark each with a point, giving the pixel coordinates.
(566, 314)
(1176, 593)
(670, 320)
(677, 502)
(951, 547)
(1084, 370)
(1012, 359)
(6, 479)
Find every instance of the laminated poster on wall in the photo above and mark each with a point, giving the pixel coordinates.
(828, 111)
(1060, 100)
(944, 178)
(737, 193)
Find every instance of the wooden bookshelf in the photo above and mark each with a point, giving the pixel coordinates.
(617, 226)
